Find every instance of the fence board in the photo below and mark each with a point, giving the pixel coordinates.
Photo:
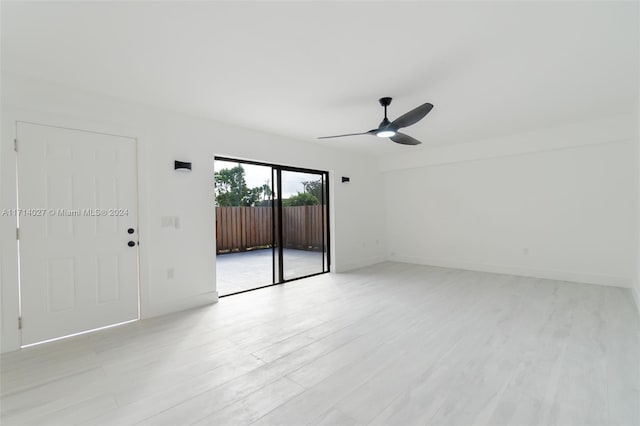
(247, 228)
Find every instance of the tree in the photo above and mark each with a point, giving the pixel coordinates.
(314, 187)
(301, 199)
(266, 195)
(232, 190)
(265, 191)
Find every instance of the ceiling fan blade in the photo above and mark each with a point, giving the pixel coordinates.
(403, 139)
(412, 117)
(370, 132)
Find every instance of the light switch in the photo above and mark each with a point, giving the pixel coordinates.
(170, 222)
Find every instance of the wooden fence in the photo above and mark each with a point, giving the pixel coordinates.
(303, 227)
(243, 228)
(247, 228)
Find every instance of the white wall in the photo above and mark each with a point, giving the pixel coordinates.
(163, 136)
(558, 203)
(636, 117)
(567, 194)
(636, 289)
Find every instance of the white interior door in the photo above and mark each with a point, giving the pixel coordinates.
(77, 198)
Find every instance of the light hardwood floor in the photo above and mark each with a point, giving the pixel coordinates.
(392, 344)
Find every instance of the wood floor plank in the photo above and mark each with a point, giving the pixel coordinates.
(390, 344)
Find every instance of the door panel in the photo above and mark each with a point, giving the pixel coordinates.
(244, 226)
(77, 198)
(304, 239)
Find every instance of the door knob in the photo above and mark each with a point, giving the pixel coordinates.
(131, 244)
(131, 230)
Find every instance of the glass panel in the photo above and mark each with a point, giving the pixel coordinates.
(325, 223)
(276, 226)
(303, 230)
(244, 226)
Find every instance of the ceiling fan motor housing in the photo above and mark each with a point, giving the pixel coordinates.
(385, 123)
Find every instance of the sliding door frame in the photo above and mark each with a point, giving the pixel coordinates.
(277, 232)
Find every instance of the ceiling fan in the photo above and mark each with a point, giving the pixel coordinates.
(389, 129)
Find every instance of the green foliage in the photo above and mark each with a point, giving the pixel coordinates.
(232, 190)
(315, 188)
(266, 192)
(301, 199)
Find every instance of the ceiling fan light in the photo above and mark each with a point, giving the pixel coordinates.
(385, 133)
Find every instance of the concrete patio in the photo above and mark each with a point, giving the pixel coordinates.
(251, 269)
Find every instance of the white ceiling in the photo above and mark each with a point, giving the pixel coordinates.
(306, 69)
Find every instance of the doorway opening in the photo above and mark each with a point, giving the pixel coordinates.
(272, 224)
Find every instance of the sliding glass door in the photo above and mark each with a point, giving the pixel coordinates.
(244, 226)
(272, 224)
(304, 236)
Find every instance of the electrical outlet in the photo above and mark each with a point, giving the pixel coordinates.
(170, 273)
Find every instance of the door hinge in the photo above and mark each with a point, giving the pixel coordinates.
(15, 145)
(17, 233)
(19, 323)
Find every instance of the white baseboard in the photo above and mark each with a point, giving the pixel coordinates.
(606, 280)
(359, 263)
(180, 305)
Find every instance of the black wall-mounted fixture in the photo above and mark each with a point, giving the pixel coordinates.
(182, 165)
(346, 179)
